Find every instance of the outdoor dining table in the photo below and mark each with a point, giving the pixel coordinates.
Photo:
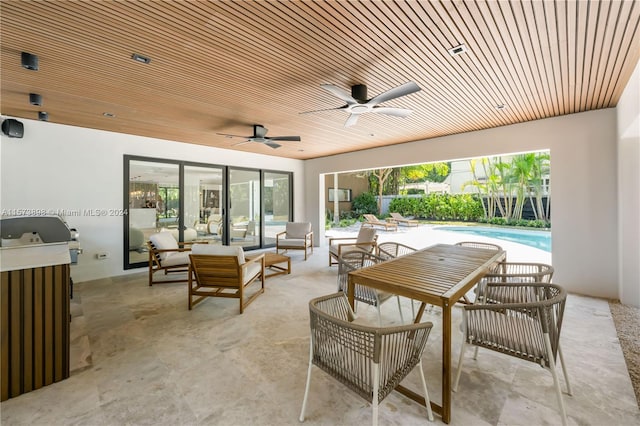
(439, 275)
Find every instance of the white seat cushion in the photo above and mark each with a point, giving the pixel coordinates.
(292, 242)
(219, 250)
(177, 258)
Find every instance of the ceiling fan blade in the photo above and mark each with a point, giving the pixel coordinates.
(396, 92)
(396, 112)
(353, 119)
(232, 136)
(286, 138)
(326, 109)
(272, 145)
(336, 91)
(259, 131)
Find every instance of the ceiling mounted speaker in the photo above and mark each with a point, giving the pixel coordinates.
(35, 99)
(30, 61)
(12, 128)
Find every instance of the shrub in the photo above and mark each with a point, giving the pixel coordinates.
(364, 203)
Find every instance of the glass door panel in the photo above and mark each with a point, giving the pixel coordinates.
(153, 203)
(203, 203)
(277, 204)
(244, 223)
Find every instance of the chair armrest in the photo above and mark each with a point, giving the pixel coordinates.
(181, 249)
(341, 239)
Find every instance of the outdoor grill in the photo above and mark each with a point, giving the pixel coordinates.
(35, 258)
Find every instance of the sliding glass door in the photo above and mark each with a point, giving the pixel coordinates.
(201, 203)
(153, 200)
(204, 203)
(245, 219)
(276, 195)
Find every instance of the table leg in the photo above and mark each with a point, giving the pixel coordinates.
(446, 362)
(351, 291)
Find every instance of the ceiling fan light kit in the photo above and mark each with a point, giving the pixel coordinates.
(357, 102)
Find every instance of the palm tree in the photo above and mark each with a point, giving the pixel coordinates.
(521, 171)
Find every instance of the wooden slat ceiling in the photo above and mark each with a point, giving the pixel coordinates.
(221, 66)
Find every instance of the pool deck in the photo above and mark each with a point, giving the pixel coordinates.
(425, 235)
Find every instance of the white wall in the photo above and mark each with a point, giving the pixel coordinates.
(628, 114)
(71, 168)
(584, 191)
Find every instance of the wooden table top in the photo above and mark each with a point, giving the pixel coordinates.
(438, 274)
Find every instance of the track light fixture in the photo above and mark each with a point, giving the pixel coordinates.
(43, 116)
(35, 99)
(30, 61)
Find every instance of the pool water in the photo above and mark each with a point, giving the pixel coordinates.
(538, 239)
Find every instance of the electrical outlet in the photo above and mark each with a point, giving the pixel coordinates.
(103, 255)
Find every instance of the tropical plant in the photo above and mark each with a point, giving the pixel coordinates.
(364, 203)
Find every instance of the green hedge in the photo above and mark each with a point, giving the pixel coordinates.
(465, 207)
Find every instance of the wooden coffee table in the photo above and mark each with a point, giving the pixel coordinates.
(271, 262)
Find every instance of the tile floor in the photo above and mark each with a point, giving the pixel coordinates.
(140, 357)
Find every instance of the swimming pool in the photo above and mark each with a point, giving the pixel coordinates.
(538, 239)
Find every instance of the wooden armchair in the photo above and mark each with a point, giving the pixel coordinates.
(365, 241)
(296, 236)
(222, 271)
(168, 255)
(371, 220)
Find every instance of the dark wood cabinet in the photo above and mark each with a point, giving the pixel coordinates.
(35, 321)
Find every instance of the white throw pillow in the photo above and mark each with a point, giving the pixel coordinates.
(164, 241)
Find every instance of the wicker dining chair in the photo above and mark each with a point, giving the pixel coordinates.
(479, 244)
(390, 250)
(516, 273)
(351, 261)
(371, 361)
(529, 328)
(482, 245)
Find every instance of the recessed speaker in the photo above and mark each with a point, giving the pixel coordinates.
(12, 128)
(35, 99)
(30, 61)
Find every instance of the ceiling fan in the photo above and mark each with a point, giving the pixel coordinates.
(260, 135)
(357, 102)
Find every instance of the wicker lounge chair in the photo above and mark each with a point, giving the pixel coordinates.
(371, 361)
